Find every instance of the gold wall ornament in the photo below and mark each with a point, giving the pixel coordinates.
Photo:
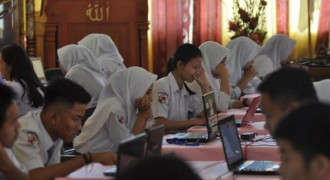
(96, 13)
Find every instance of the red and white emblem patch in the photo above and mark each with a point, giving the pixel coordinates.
(32, 138)
(120, 120)
(162, 97)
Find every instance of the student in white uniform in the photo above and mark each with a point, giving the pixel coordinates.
(105, 51)
(122, 111)
(278, 49)
(173, 100)
(42, 132)
(17, 69)
(79, 65)
(214, 65)
(10, 167)
(240, 64)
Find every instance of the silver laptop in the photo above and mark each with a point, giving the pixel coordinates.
(38, 68)
(234, 154)
(211, 116)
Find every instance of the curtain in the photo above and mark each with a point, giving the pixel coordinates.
(282, 13)
(323, 28)
(207, 21)
(170, 27)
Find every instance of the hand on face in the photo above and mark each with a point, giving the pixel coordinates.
(221, 71)
(249, 71)
(143, 104)
(200, 77)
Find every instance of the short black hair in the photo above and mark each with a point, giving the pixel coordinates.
(63, 89)
(160, 168)
(307, 129)
(6, 99)
(288, 84)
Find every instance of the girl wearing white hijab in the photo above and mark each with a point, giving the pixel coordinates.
(240, 59)
(122, 111)
(278, 48)
(79, 65)
(105, 51)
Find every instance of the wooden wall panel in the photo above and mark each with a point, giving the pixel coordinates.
(125, 21)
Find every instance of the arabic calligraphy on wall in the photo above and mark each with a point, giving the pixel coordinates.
(98, 12)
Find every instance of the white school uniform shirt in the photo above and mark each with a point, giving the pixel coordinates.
(34, 148)
(242, 50)
(278, 48)
(172, 103)
(22, 103)
(105, 51)
(14, 160)
(82, 68)
(115, 114)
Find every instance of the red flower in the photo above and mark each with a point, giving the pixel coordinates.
(253, 23)
(244, 15)
(244, 32)
(264, 3)
(234, 26)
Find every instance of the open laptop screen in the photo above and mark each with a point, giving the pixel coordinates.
(211, 115)
(231, 141)
(38, 68)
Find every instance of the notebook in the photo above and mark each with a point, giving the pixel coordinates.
(211, 116)
(129, 151)
(38, 68)
(249, 113)
(234, 154)
(155, 141)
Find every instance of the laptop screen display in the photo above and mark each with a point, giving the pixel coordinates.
(211, 115)
(231, 142)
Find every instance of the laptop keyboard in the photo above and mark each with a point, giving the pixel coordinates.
(258, 166)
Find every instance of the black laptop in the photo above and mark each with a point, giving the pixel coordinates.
(211, 116)
(234, 154)
(155, 141)
(129, 151)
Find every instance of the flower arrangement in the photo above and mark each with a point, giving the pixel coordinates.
(249, 20)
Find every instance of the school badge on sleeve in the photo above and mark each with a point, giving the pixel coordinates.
(162, 97)
(32, 138)
(120, 120)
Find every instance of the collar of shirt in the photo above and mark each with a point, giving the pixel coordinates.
(174, 85)
(44, 138)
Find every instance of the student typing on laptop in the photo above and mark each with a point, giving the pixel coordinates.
(173, 100)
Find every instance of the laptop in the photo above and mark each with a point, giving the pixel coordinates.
(234, 154)
(211, 116)
(155, 141)
(38, 68)
(129, 151)
(249, 113)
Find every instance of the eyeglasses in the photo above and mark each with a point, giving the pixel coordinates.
(182, 142)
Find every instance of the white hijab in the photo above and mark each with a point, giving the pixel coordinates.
(278, 48)
(74, 57)
(242, 50)
(118, 96)
(213, 53)
(263, 65)
(104, 49)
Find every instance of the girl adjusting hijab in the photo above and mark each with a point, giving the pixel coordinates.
(213, 54)
(278, 48)
(242, 51)
(117, 112)
(105, 51)
(79, 65)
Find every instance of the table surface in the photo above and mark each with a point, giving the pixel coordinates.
(208, 170)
